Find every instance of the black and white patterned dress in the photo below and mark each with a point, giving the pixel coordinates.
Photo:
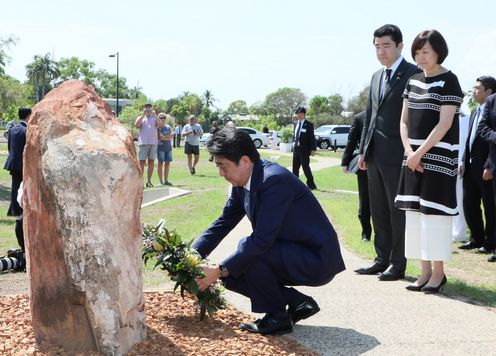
(432, 192)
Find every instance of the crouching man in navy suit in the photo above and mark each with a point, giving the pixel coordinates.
(293, 242)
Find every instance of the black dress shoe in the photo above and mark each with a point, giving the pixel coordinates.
(372, 269)
(304, 310)
(469, 246)
(392, 274)
(414, 288)
(483, 249)
(492, 258)
(365, 237)
(435, 289)
(312, 186)
(270, 324)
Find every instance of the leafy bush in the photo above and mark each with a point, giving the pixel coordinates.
(286, 134)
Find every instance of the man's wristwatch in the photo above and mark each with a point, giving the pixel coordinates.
(223, 271)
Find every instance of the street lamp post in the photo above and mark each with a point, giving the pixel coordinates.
(117, 94)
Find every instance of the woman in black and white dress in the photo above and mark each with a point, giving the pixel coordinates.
(427, 188)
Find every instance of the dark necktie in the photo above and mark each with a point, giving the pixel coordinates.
(247, 203)
(297, 138)
(388, 75)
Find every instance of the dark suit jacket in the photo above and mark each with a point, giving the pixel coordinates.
(17, 141)
(487, 130)
(477, 156)
(307, 137)
(354, 138)
(382, 121)
(286, 213)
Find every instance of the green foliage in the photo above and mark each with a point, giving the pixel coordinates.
(358, 103)
(286, 134)
(4, 58)
(75, 68)
(183, 265)
(283, 103)
(237, 107)
(330, 119)
(13, 94)
(186, 104)
(42, 73)
(332, 105)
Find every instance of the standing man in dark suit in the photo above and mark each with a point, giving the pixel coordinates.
(381, 153)
(349, 155)
(16, 143)
(293, 243)
(477, 180)
(487, 130)
(304, 146)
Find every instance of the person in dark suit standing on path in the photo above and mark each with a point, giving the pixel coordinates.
(16, 143)
(293, 243)
(487, 130)
(381, 153)
(477, 179)
(304, 146)
(350, 154)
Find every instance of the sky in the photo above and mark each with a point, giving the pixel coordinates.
(244, 50)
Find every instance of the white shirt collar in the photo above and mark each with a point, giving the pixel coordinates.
(247, 185)
(395, 65)
(481, 107)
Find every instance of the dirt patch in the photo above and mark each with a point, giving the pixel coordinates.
(173, 328)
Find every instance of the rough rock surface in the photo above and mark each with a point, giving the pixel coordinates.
(82, 199)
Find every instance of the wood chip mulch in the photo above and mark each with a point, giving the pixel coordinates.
(173, 328)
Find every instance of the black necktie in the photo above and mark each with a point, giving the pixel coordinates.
(298, 133)
(388, 75)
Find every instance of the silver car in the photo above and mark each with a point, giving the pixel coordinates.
(332, 136)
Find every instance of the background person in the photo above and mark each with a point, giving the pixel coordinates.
(304, 147)
(14, 164)
(192, 133)
(282, 251)
(177, 131)
(427, 188)
(164, 150)
(349, 155)
(381, 153)
(215, 128)
(147, 123)
(477, 178)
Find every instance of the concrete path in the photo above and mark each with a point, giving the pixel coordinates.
(362, 315)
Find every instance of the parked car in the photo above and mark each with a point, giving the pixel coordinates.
(332, 136)
(274, 138)
(259, 138)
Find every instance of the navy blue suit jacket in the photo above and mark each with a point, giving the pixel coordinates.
(284, 213)
(17, 141)
(487, 130)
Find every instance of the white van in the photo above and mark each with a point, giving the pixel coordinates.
(332, 136)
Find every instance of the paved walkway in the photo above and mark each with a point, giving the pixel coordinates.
(360, 314)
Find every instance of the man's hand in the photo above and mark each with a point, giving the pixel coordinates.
(362, 164)
(312, 153)
(212, 274)
(345, 169)
(460, 169)
(486, 174)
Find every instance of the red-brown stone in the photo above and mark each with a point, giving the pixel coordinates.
(82, 196)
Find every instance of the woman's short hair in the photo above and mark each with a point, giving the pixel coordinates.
(437, 42)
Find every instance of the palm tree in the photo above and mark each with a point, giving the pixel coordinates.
(41, 72)
(208, 98)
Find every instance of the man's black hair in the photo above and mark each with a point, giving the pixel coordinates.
(24, 113)
(488, 82)
(389, 30)
(232, 144)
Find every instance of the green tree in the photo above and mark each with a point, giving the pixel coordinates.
(4, 58)
(41, 73)
(185, 105)
(13, 94)
(237, 107)
(283, 103)
(208, 99)
(106, 85)
(75, 68)
(358, 103)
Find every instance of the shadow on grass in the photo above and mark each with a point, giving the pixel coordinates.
(333, 341)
